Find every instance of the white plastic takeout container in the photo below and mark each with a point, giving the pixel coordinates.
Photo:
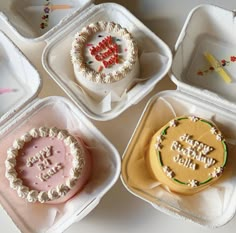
(203, 92)
(19, 83)
(25, 17)
(155, 56)
(25, 111)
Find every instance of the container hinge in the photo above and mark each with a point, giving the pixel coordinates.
(234, 14)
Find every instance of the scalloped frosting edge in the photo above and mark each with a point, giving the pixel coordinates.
(76, 150)
(217, 171)
(79, 43)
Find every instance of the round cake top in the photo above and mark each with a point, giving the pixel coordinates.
(190, 151)
(44, 164)
(104, 52)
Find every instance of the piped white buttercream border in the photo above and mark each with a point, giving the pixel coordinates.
(76, 150)
(80, 41)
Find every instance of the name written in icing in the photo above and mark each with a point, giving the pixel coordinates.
(196, 151)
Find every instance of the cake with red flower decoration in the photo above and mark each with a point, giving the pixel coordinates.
(47, 165)
(187, 155)
(105, 59)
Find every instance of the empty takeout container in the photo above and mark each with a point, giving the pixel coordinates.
(36, 20)
(204, 71)
(155, 56)
(23, 111)
(19, 82)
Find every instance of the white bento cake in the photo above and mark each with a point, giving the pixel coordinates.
(105, 59)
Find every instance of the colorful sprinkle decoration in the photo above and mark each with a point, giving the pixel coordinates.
(100, 68)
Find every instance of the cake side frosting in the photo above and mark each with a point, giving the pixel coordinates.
(187, 155)
(104, 52)
(46, 165)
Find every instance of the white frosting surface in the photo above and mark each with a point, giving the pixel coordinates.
(103, 54)
(99, 60)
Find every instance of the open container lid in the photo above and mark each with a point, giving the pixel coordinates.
(20, 83)
(46, 16)
(204, 62)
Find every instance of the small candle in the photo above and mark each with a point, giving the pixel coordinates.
(6, 90)
(217, 66)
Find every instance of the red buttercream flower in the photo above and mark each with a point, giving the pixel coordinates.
(200, 73)
(223, 62)
(233, 58)
(42, 25)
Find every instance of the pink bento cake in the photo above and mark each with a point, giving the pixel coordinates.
(47, 165)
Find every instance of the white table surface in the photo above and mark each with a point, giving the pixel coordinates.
(120, 211)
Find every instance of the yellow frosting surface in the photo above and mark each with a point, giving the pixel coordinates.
(187, 154)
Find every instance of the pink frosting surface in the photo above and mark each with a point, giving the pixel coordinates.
(60, 154)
